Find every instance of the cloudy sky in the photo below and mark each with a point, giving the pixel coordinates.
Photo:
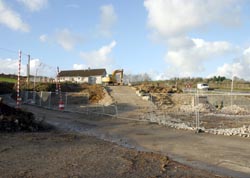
(164, 38)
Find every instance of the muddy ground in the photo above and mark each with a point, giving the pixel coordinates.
(49, 152)
(57, 154)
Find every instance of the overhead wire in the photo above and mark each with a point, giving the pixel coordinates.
(28, 55)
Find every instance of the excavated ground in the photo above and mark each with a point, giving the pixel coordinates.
(33, 152)
(30, 151)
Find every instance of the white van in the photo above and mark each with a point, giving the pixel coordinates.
(202, 86)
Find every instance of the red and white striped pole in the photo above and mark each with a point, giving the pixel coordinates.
(61, 103)
(18, 98)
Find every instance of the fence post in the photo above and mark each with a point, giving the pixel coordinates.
(34, 97)
(41, 95)
(49, 100)
(197, 114)
(26, 96)
(66, 100)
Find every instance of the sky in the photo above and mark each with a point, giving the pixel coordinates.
(163, 38)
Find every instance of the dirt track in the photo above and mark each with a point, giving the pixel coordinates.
(129, 104)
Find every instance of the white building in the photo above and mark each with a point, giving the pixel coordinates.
(91, 76)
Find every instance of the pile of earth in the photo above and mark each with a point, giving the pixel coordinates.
(159, 95)
(96, 93)
(158, 89)
(13, 120)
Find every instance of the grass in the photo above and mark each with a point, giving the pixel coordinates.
(8, 80)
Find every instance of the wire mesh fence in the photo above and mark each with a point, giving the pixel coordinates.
(224, 113)
(192, 111)
(71, 101)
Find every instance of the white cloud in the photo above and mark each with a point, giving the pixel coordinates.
(189, 60)
(67, 39)
(37, 67)
(11, 19)
(100, 57)
(176, 17)
(10, 66)
(34, 5)
(239, 68)
(172, 21)
(108, 19)
(79, 66)
(43, 38)
(155, 75)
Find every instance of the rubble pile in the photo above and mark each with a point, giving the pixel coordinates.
(157, 94)
(171, 122)
(203, 108)
(157, 89)
(243, 131)
(162, 99)
(234, 110)
(12, 120)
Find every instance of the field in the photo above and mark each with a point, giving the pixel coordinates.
(7, 79)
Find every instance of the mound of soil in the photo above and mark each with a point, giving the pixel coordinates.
(158, 89)
(12, 120)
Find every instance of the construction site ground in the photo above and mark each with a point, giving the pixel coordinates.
(101, 146)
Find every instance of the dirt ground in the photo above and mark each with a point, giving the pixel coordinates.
(57, 154)
(54, 153)
(69, 154)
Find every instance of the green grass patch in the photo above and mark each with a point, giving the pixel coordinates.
(8, 80)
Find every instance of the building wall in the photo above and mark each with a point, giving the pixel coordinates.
(99, 80)
(90, 80)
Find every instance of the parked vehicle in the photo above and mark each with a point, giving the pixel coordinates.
(202, 86)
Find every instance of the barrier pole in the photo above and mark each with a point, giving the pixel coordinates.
(18, 98)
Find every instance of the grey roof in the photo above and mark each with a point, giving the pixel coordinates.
(82, 73)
